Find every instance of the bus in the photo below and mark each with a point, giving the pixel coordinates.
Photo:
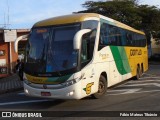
(79, 55)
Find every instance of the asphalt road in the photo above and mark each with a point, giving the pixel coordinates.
(142, 95)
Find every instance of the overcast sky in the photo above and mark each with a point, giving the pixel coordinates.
(24, 13)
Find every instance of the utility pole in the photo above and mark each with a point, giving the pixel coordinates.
(6, 23)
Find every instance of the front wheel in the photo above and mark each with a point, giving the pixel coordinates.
(102, 88)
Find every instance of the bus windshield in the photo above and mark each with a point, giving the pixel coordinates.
(50, 49)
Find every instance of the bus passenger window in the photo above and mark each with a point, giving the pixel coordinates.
(129, 39)
(103, 34)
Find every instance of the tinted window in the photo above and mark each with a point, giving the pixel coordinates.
(115, 36)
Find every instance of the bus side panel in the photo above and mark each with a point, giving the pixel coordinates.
(106, 63)
(90, 79)
(137, 56)
(122, 63)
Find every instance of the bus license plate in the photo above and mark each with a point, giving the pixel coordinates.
(45, 94)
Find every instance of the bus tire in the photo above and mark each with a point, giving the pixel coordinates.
(102, 88)
(138, 73)
(142, 69)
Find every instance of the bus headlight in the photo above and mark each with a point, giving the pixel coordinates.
(71, 82)
(26, 91)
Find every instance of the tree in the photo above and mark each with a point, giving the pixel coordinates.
(142, 17)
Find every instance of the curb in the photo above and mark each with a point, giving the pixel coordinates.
(10, 84)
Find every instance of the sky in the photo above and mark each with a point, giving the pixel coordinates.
(24, 13)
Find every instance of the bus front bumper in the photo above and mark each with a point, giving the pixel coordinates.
(70, 92)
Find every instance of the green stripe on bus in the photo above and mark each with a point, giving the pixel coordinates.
(121, 60)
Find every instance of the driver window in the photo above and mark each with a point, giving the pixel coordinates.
(85, 48)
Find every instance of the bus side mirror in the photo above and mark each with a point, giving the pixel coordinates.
(77, 38)
(17, 40)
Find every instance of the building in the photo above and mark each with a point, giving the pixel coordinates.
(155, 46)
(8, 57)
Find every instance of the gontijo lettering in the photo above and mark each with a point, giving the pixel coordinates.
(134, 52)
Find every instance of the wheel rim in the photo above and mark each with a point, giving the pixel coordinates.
(101, 87)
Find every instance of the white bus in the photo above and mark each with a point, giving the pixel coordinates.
(78, 55)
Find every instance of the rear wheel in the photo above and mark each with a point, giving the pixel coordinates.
(138, 73)
(142, 69)
(102, 87)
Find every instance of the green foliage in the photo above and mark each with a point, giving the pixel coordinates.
(142, 17)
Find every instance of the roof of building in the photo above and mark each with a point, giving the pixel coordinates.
(18, 30)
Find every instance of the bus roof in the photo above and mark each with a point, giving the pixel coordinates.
(79, 17)
(66, 19)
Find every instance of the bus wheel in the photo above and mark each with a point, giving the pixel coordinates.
(138, 73)
(102, 88)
